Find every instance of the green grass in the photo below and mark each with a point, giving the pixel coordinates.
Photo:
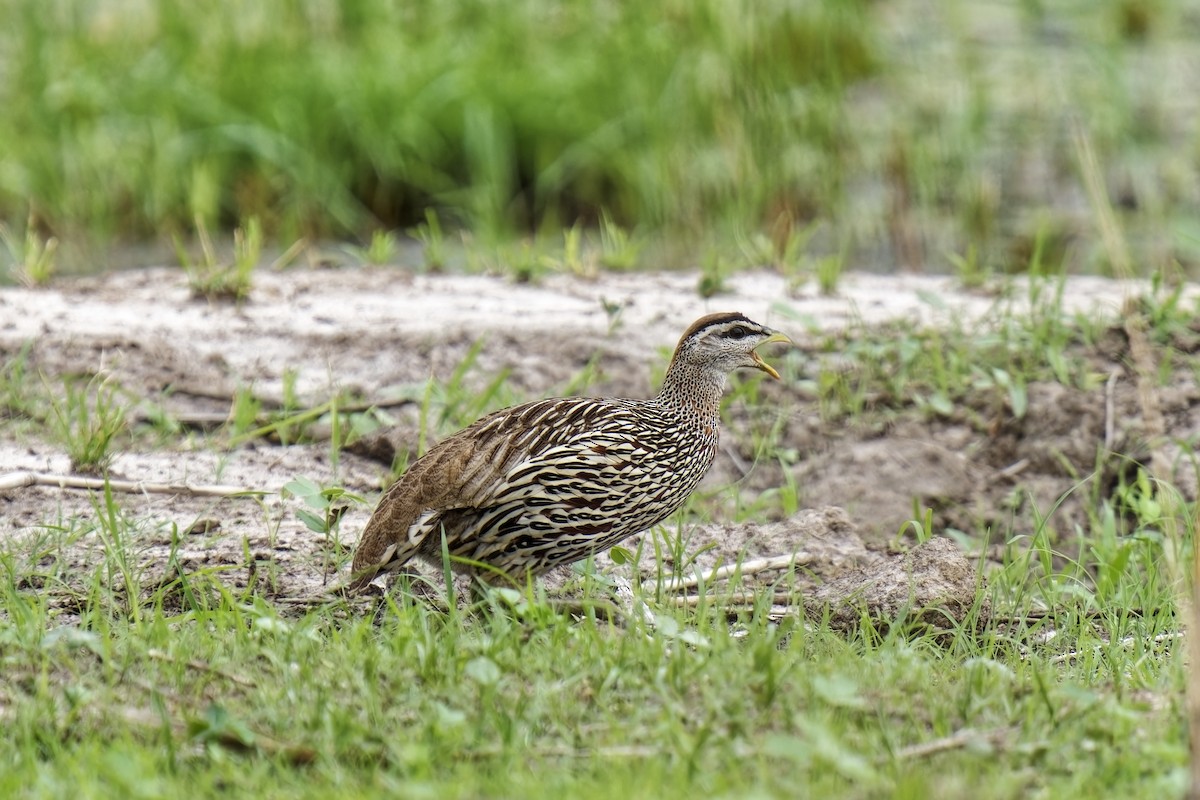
(879, 138)
(86, 421)
(552, 138)
(532, 137)
(329, 115)
(118, 680)
(31, 259)
(195, 689)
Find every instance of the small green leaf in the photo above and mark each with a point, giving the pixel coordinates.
(932, 299)
(666, 626)
(217, 725)
(312, 521)
(307, 490)
(1018, 399)
(793, 748)
(693, 637)
(838, 690)
(941, 404)
(68, 636)
(449, 717)
(620, 555)
(510, 597)
(483, 671)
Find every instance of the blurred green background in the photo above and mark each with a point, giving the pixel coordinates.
(894, 134)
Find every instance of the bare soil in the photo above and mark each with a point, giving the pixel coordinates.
(379, 333)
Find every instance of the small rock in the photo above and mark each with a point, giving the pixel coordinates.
(204, 526)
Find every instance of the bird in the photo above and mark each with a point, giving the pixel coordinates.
(528, 488)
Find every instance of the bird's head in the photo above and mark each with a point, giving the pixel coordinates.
(725, 342)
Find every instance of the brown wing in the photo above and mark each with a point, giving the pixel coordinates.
(468, 470)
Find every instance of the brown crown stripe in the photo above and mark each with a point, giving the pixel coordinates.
(719, 318)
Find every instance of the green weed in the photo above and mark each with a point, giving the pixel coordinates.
(577, 259)
(829, 270)
(86, 419)
(523, 260)
(292, 423)
(937, 368)
(328, 503)
(211, 277)
(18, 397)
(969, 269)
(619, 249)
(433, 241)
(670, 118)
(32, 256)
(244, 411)
(216, 279)
(457, 404)
(509, 697)
(692, 124)
(381, 250)
(714, 270)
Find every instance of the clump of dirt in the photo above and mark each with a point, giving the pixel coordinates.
(933, 584)
(817, 561)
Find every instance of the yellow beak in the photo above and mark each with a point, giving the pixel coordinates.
(764, 366)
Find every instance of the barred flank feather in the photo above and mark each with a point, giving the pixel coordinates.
(531, 487)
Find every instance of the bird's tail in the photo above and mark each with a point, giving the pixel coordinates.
(384, 544)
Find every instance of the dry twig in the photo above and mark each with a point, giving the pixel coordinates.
(955, 741)
(1110, 414)
(1127, 642)
(20, 480)
(752, 567)
(738, 600)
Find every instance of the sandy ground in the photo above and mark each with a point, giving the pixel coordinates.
(381, 332)
(369, 328)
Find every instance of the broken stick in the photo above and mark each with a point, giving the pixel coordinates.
(20, 480)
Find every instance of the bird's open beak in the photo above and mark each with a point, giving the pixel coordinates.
(764, 366)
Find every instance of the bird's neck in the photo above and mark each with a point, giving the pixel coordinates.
(694, 391)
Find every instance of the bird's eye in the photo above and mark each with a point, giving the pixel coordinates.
(738, 332)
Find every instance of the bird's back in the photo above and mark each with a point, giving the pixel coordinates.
(549, 482)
